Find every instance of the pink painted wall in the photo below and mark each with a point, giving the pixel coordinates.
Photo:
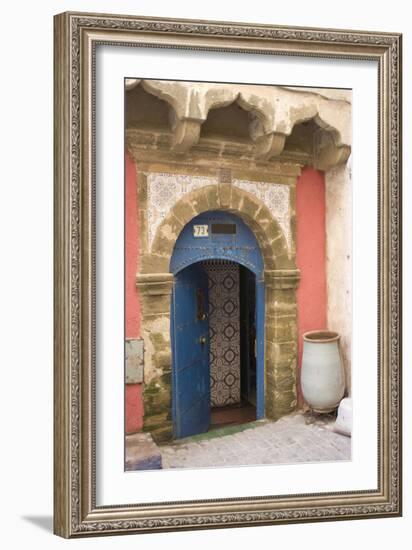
(310, 255)
(133, 398)
(132, 251)
(134, 408)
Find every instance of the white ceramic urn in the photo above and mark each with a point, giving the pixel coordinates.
(322, 375)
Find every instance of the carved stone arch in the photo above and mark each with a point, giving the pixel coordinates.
(251, 210)
(329, 147)
(155, 284)
(331, 143)
(232, 113)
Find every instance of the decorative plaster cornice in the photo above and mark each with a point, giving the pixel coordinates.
(273, 111)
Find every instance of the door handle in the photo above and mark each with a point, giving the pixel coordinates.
(202, 340)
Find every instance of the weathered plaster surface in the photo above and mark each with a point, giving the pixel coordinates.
(273, 111)
(329, 93)
(339, 258)
(185, 156)
(134, 361)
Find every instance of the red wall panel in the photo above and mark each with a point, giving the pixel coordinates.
(133, 395)
(132, 305)
(310, 255)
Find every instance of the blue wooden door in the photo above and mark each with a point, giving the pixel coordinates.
(191, 377)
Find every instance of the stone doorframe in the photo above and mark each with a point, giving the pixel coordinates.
(155, 283)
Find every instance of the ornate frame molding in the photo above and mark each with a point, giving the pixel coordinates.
(76, 37)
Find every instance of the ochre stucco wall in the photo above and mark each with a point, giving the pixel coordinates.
(133, 397)
(310, 255)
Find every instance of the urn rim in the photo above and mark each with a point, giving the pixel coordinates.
(321, 336)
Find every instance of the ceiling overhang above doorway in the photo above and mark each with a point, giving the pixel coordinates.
(259, 122)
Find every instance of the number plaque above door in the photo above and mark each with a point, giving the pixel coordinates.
(200, 231)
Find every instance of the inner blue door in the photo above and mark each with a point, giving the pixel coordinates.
(191, 376)
(211, 235)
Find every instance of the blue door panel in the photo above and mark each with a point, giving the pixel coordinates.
(191, 377)
(193, 420)
(191, 374)
(260, 346)
(242, 247)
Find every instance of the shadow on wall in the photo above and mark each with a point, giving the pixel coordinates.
(43, 522)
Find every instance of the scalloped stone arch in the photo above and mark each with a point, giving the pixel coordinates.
(275, 109)
(232, 199)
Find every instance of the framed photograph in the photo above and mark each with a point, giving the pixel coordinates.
(227, 274)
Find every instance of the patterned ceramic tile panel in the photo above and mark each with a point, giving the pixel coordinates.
(224, 321)
(276, 197)
(163, 192)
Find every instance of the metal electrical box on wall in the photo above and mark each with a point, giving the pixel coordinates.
(134, 351)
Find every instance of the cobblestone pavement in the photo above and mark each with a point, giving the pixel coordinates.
(296, 438)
